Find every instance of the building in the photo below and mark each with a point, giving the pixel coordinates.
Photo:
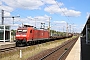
(86, 31)
(5, 33)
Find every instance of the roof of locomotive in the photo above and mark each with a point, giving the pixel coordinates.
(29, 26)
(24, 27)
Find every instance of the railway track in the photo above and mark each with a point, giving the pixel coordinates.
(66, 51)
(5, 52)
(58, 53)
(7, 49)
(11, 50)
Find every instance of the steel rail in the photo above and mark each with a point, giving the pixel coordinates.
(55, 50)
(60, 58)
(7, 49)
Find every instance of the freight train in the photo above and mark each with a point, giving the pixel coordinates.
(27, 35)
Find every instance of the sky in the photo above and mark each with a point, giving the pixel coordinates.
(60, 13)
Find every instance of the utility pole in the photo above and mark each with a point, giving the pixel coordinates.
(13, 19)
(49, 24)
(70, 28)
(2, 17)
(7, 17)
(67, 29)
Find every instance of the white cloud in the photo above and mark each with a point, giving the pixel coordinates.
(43, 18)
(0, 3)
(60, 22)
(63, 11)
(29, 20)
(10, 5)
(36, 4)
(25, 4)
(53, 2)
(59, 25)
(6, 14)
(6, 8)
(50, 1)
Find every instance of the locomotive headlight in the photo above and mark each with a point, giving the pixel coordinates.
(17, 35)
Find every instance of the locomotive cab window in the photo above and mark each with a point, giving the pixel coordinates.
(19, 31)
(30, 31)
(24, 31)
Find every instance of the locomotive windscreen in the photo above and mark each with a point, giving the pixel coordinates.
(22, 31)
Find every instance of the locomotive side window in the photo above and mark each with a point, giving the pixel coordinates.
(30, 31)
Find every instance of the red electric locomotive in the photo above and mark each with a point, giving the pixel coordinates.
(28, 34)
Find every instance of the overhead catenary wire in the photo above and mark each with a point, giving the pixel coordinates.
(31, 10)
(7, 17)
(65, 15)
(62, 11)
(35, 11)
(49, 8)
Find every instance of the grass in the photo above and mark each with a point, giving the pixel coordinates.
(33, 50)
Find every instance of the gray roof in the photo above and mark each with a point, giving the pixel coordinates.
(84, 29)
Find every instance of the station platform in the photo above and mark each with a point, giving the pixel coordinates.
(6, 44)
(75, 53)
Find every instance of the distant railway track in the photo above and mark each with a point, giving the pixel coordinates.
(58, 53)
(7, 49)
(4, 52)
